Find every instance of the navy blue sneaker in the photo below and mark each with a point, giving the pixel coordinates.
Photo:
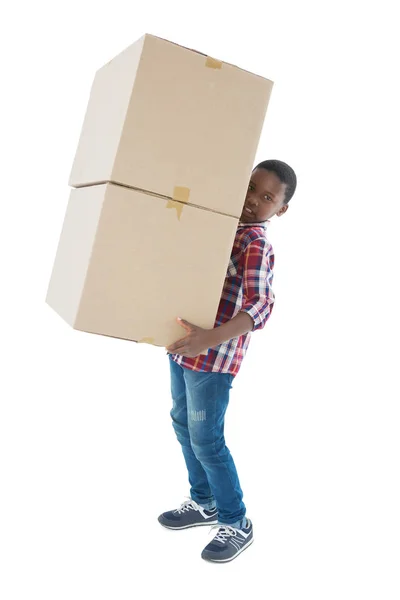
(189, 514)
(228, 543)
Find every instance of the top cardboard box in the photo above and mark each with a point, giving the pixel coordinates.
(173, 122)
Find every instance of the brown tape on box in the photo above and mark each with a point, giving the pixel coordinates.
(146, 340)
(181, 194)
(180, 197)
(213, 63)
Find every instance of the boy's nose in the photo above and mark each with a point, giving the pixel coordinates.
(251, 200)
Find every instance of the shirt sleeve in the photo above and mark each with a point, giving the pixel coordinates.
(258, 297)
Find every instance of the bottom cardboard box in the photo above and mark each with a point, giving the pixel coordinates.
(126, 266)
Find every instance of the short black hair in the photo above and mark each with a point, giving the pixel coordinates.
(285, 174)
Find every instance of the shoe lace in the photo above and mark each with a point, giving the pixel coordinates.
(224, 532)
(187, 505)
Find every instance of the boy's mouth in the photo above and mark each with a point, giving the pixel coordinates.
(248, 211)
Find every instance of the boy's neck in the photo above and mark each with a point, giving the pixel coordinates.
(255, 224)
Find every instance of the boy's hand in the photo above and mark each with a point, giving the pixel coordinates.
(197, 341)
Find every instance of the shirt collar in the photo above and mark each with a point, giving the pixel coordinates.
(258, 224)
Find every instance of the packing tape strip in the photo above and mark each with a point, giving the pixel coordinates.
(213, 63)
(146, 340)
(180, 196)
(177, 205)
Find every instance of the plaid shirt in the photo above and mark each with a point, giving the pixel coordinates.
(247, 288)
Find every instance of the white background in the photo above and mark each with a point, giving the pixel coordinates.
(88, 454)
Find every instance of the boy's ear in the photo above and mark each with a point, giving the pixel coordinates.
(282, 210)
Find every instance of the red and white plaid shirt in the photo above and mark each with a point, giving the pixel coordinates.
(247, 288)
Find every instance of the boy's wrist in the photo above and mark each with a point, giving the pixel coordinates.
(214, 337)
(240, 324)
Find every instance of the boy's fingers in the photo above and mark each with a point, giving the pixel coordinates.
(176, 344)
(180, 345)
(188, 326)
(179, 350)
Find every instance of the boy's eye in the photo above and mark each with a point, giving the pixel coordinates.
(251, 187)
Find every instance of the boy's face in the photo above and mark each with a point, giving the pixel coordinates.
(264, 197)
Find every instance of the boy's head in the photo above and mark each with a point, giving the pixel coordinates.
(271, 186)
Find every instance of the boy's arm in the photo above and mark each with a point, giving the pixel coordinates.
(199, 340)
(239, 325)
(258, 263)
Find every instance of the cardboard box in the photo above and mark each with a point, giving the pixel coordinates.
(126, 266)
(169, 120)
(161, 173)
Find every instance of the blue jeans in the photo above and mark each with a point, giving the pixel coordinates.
(200, 401)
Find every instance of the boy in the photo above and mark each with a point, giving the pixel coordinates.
(204, 363)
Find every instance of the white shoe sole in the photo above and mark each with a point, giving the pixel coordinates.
(208, 523)
(232, 557)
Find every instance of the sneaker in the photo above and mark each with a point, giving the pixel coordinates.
(189, 514)
(228, 543)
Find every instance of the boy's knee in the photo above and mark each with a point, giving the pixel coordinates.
(206, 449)
(203, 450)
